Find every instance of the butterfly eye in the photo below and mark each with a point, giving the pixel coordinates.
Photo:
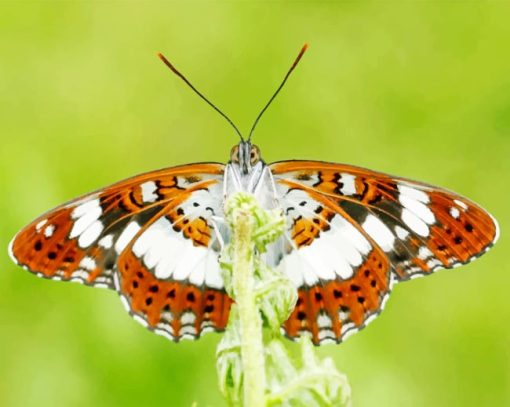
(234, 154)
(254, 155)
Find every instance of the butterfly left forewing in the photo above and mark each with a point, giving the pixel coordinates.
(80, 241)
(59, 245)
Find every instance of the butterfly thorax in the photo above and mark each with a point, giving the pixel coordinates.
(244, 168)
(247, 172)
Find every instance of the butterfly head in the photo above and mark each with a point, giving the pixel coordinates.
(245, 155)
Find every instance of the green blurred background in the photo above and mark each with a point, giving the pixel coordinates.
(417, 89)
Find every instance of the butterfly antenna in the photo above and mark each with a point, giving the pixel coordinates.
(180, 75)
(296, 61)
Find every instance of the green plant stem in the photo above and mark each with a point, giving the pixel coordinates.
(263, 294)
(252, 348)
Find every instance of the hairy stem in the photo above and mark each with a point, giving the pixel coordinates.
(252, 348)
(254, 373)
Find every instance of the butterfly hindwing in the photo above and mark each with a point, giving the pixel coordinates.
(172, 308)
(173, 285)
(342, 275)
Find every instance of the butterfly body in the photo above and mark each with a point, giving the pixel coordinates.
(351, 233)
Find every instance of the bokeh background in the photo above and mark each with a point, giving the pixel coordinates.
(419, 89)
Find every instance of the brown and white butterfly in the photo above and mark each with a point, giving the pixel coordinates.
(351, 233)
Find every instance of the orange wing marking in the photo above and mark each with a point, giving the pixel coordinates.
(305, 230)
(331, 310)
(463, 232)
(53, 255)
(166, 305)
(198, 230)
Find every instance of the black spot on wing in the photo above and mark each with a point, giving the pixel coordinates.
(356, 211)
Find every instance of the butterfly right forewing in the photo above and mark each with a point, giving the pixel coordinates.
(421, 228)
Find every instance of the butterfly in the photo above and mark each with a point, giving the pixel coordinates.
(351, 234)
